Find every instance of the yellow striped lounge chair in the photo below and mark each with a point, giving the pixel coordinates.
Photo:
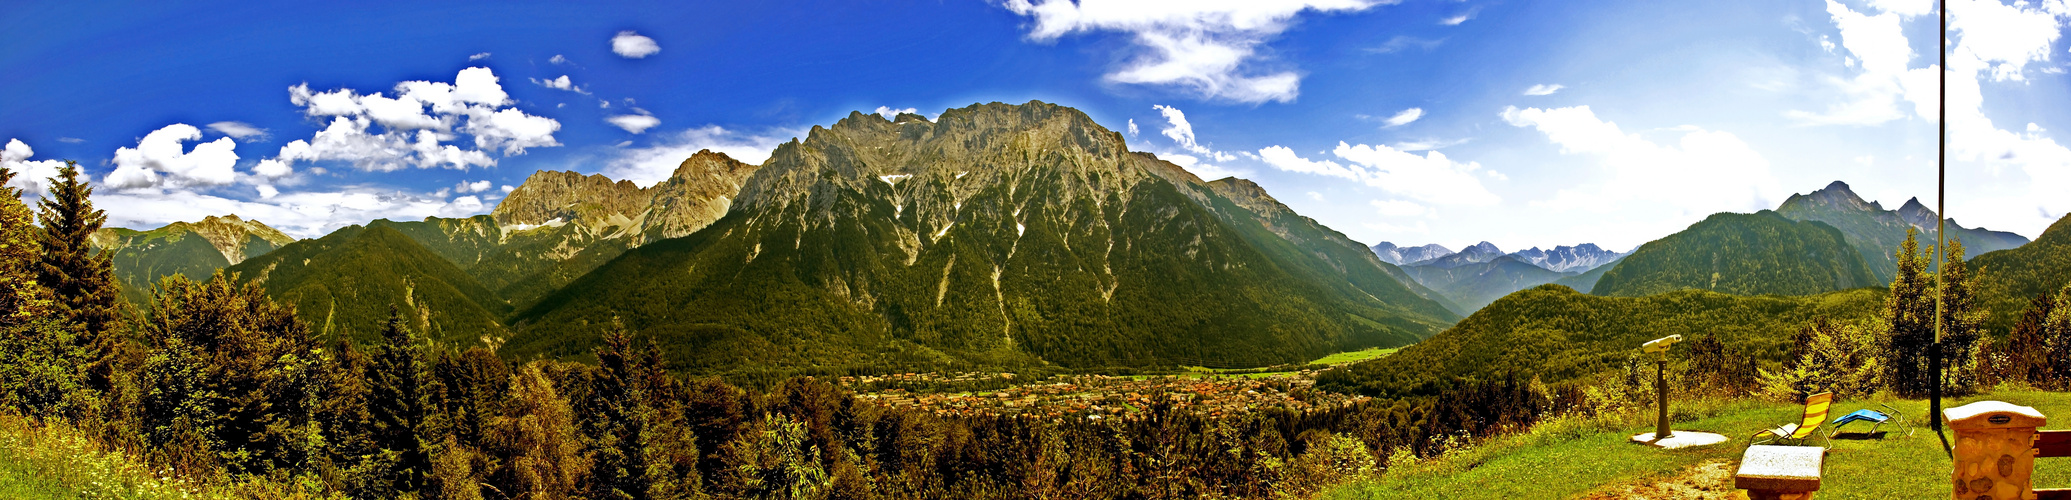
(1816, 407)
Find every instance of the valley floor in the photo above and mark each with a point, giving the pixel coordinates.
(1591, 458)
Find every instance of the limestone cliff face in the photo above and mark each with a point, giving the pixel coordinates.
(699, 192)
(570, 197)
(192, 249)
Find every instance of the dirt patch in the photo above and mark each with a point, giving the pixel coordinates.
(1710, 480)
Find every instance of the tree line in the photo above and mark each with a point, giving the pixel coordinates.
(217, 382)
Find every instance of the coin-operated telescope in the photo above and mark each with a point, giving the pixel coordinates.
(1660, 345)
(1659, 348)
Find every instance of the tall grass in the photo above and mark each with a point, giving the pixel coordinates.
(54, 460)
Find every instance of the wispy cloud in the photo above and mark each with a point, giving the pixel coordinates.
(478, 56)
(1543, 89)
(240, 130)
(1405, 42)
(1207, 49)
(1404, 117)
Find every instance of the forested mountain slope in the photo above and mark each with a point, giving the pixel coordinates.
(192, 249)
(1743, 254)
(2008, 279)
(345, 282)
(997, 234)
(1557, 334)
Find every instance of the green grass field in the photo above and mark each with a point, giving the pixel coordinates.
(1568, 458)
(1354, 356)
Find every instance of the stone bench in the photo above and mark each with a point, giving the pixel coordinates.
(1779, 472)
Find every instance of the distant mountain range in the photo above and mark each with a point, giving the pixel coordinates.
(1481, 273)
(1391, 254)
(193, 249)
(1002, 235)
(1875, 232)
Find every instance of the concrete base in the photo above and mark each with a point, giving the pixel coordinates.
(1679, 439)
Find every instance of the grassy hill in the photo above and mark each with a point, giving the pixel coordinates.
(996, 235)
(344, 282)
(2007, 279)
(1558, 334)
(1744, 254)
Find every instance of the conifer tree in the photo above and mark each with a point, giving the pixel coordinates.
(1962, 322)
(82, 282)
(399, 406)
(2028, 355)
(1909, 320)
(21, 297)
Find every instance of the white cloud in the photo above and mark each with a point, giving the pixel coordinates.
(1543, 89)
(1399, 208)
(1432, 178)
(1132, 127)
(1205, 171)
(1429, 144)
(1404, 42)
(558, 59)
(1315, 196)
(161, 160)
(71, 140)
(1404, 117)
(649, 165)
(1989, 41)
(562, 83)
(240, 130)
(634, 123)
(1704, 172)
(478, 56)
(300, 214)
(1208, 49)
(474, 105)
(473, 187)
(1462, 18)
(1182, 133)
(631, 45)
(890, 113)
(30, 176)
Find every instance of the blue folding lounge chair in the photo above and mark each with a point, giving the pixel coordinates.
(1876, 419)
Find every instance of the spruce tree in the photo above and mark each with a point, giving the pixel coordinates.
(399, 407)
(21, 297)
(1909, 317)
(1962, 322)
(83, 283)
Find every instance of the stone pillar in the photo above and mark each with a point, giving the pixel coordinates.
(1995, 450)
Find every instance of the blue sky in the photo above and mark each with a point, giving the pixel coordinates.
(1419, 121)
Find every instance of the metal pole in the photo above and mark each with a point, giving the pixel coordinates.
(1941, 235)
(1661, 393)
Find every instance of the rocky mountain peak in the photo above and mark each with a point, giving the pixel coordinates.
(1917, 214)
(699, 192)
(930, 169)
(570, 197)
(1402, 256)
